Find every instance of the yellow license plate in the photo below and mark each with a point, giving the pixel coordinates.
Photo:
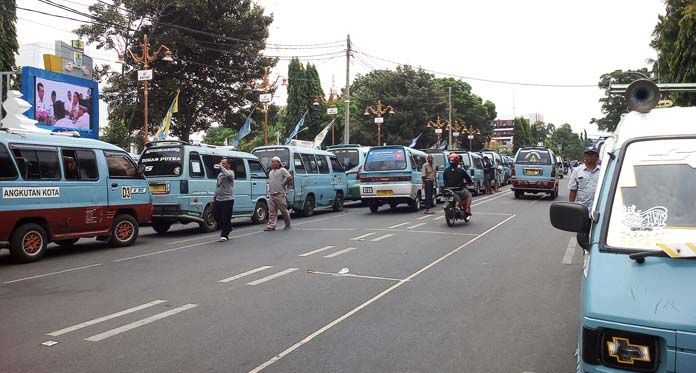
(532, 171)
(385, 193)
(158, 188)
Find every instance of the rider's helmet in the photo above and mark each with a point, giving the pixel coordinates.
(453, 158)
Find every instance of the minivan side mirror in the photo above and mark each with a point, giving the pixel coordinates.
(569, 216)
(141, 169)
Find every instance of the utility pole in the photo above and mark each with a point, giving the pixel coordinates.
(346, 111)
(449, 121)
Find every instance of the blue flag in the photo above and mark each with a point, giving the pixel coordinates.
(297, 128)
(245, 130)
(413, 142)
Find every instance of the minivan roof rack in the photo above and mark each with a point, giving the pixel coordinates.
(154, 143)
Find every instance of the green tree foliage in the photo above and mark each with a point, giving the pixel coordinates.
(565, 142)
(218, 135)
(304, 86)
(614, 105)
(521, 134)
(8, 34)
(674, 38)
(117, 133)
(210, 68)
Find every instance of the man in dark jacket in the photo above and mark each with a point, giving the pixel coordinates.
(457, 178)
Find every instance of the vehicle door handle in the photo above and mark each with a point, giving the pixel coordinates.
(114, 185)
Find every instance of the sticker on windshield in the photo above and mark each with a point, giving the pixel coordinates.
(644, 221)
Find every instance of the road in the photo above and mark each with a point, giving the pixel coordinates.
(352, 291)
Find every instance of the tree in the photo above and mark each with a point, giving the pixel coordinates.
(614, 105)
(521, 134)
(8, 34)
(117, 133)
(218, 135)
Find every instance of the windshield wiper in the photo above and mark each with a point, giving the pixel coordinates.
(640, 257)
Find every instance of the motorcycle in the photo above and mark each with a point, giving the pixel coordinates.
(451, 205)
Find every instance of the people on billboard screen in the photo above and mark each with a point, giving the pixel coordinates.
(69, 105)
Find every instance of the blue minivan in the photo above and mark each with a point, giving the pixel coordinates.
(392, 175)
(351, 157)
(319, 178)
(534, 171)
(182, 179)
(473, 164)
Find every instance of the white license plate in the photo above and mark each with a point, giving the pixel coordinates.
(367, 189)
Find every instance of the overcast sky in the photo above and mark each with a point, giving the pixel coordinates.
(547, 42)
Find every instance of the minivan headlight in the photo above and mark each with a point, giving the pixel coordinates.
(619, 349)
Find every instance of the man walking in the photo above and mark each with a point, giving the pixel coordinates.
(582, 186)
(428, 176)
(278, 180)
(224, 199)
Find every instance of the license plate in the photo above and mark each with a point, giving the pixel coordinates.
(367, 189)
(532, 171)
(385, 193)
(158, 188)
(448, 199)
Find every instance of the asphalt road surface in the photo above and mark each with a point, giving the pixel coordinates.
(396, 291)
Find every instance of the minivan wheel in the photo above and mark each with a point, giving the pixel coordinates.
(374, 207)
(124, 231)
(67, 242)
(161, 226)
(338, 202)
(416, 204)
(260, 213)
(519, 194)
(28, 243)
(209, 224)
(308, 208)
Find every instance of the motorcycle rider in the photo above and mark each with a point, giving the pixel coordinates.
(457, 178)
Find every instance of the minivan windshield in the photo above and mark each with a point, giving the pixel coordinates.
(654, 206)
(385, 159)
(266, 155)
(349, 158)
(533, 157)
(163, 161)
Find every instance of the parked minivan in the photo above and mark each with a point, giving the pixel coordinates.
(535, 172)
(473, 164)
(182, 179)
(319, 178)
(351, 156)
(638, 310)
(392, 175)
(60, 189)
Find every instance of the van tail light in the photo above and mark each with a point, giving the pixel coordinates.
(553, 172)
(513, 171)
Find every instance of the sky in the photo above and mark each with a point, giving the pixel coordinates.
(521, 43)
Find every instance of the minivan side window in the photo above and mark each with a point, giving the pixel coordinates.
(80, 165)
(7, 168)
(37, 163)
(256, 170)
(121, 166)
(299, 166)
(323, 164)
(336, 165)
(311, 163)
(209, 162)
(237, 165)
(195, 165)
(478, 164)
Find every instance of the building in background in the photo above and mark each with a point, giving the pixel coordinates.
(503, 129)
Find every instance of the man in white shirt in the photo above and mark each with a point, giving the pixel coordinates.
(82, 121)
(582, 186)
(41, 106)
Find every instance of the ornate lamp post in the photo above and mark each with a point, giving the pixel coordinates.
(146, 58)
(265, 97)
(470, 133)
(378, 112)
(456, 127)
(332, 110)
(438, 125)
(489, 137)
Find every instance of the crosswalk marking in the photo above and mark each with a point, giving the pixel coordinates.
(247, 273)
(340, 252)
(416, 226)
(271, 277)
(399, 225)
(361, 237)
(380, 238)
(317, 251)
(105, 318)
(139, 323)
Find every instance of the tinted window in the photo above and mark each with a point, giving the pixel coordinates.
(478, 163)
(7, 168)
(211, 163)
(196, 165)
(438, 159)
(310, 163)
(163, 161)
(336, 165)
(533, 156)
(385, 159)
(256, 170)
(265, 156)
(349, 158)
(79, 165)
(237, 165)
(121, 165)
(299, 166)
(323, 164)
(37, 163)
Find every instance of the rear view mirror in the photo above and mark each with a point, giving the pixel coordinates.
(569, 216)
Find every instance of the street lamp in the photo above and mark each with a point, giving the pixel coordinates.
(145, 58)
(267, 88)
(470, 133)
(332, 110)
(456, 127)
(378, 111)
(438, 124)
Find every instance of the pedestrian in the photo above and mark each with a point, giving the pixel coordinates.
(428, 176)
(487, 174)
(223, 203)
(582, 186)
(278, 180)
(497, 171)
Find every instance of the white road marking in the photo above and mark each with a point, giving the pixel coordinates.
(424, 217)
(354, 275)
(492, 213)
(380, 238)
(271, 277)
(317, 251)
(247, 273)
(416, 226)
(401, 224)
(362, 237)
(538, 199)
(491, 199)
(50, 343)
(350, 313)
(327, 229)
(570, 252)
(439, 217)
(52, 273)
(340, 252)
(105, 318)
(431, 232)
(139, 323)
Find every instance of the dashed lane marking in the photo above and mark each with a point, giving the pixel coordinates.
(340, 252)
(362, 237)
(317, 251)
(139, 323)
(439, 217)
(271, 277)
(354, 275)
(430, 232)
(570, 252)
(400, 224)
(416, 226)
(380, 238)
(52, 273)
(424, 217)
(247, 273)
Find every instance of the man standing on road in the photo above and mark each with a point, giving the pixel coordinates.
(224, 199)
(428, 176)
(582, 186)
(487, 174)
(278, 180)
